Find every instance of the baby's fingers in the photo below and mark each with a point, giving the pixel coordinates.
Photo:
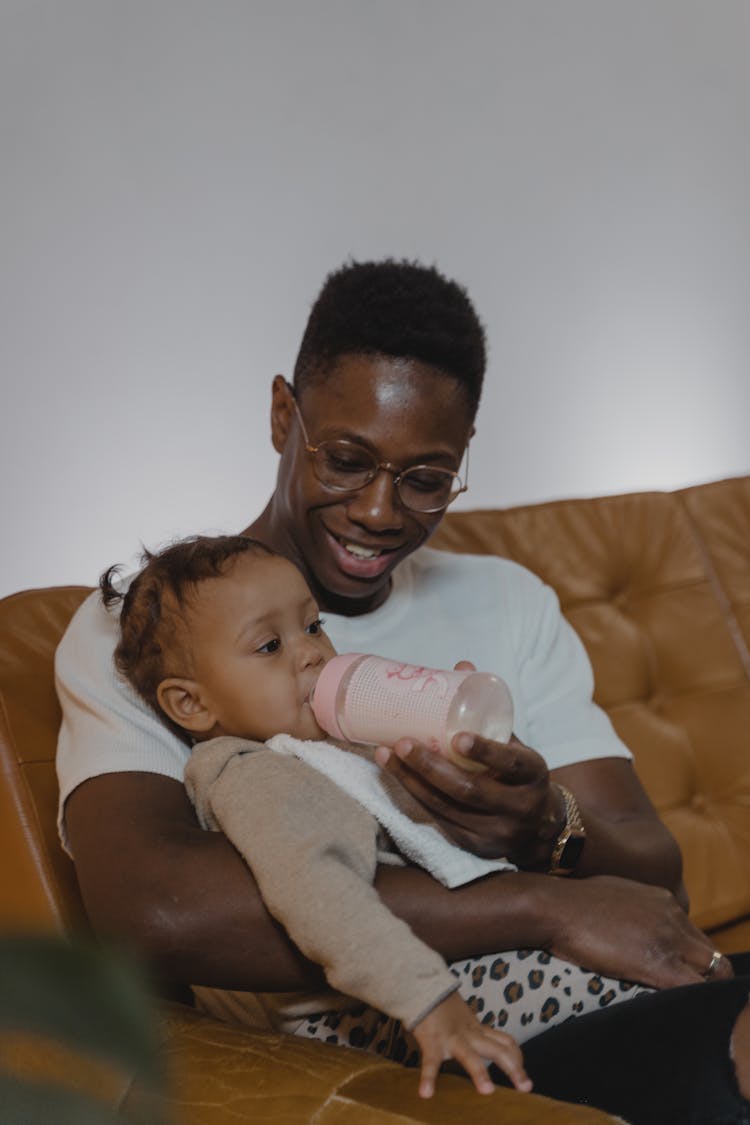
(476, 1068)
(505, 1052)
(428, 1074)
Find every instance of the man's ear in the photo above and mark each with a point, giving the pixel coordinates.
(282, 412)
(180, 699)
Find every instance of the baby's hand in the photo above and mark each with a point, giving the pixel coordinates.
(452, 1031)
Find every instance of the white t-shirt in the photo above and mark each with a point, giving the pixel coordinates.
(442, 608)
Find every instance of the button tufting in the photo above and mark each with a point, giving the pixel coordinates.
(698, 802)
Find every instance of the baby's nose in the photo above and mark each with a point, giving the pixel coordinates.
(309, 654)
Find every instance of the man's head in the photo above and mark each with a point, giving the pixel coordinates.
(399, 309)
(222, 636)
(392, 361)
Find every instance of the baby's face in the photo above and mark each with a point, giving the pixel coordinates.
(258, 649)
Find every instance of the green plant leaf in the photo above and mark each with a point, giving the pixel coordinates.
(83, 996)
(28, 1103)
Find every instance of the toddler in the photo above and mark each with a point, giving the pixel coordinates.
(223, 638)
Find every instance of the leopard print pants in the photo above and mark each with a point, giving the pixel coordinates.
(524, 992)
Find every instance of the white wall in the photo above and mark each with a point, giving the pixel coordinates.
(177, 176)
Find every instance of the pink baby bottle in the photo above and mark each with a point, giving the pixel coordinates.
(373, 700)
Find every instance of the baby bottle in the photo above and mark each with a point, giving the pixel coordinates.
(376, 701)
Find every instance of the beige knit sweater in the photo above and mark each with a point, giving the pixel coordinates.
(313, 851)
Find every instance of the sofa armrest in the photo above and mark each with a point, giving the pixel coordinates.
(223, 1074)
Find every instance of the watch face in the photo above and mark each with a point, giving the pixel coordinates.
(571, 853)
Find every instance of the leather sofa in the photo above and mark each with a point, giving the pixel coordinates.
(658, 587)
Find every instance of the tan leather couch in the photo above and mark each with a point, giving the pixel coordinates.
(657, 585)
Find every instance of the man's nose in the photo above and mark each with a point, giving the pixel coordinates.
(377, 506)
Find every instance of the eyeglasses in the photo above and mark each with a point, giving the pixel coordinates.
(346, 466)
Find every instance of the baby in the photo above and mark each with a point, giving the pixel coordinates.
(223, 638)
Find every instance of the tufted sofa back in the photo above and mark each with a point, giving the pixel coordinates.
(658, 587)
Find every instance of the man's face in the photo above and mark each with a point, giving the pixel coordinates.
(258, 649)
(405, 413)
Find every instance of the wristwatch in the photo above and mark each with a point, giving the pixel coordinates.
(569, 844)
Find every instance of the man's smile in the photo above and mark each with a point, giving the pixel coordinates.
(359, 560)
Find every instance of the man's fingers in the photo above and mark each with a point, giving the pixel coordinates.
(439, 784)
(432, 792)
(507, 767)
(710, 963)
(691, 961)
(511, 763)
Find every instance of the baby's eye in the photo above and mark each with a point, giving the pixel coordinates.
(315, 627)
(270, 646)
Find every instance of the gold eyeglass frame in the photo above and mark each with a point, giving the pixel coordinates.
(395, 472)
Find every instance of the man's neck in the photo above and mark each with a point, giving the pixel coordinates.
(268, 530)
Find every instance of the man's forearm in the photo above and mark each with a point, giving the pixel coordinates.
(510, 910)
(230, 941)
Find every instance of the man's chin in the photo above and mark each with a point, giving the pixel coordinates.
(349, 596)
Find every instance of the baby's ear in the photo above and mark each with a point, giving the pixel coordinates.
(180, 700)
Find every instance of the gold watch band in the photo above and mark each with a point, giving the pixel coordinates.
(569, 843)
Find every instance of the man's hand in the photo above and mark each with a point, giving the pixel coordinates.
(630, 931)
(514, 808)
(510, 809)
(452, 1031)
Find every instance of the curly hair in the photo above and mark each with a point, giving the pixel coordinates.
(394, 308)
(153, 626)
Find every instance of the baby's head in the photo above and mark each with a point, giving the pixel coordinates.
(220, 635)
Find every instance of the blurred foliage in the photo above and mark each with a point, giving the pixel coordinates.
(78, 1036)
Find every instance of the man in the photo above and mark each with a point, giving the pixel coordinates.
(372, 438)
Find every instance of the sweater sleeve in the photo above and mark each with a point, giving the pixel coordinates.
(312, 850)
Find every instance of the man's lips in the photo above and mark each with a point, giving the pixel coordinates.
(358, 561)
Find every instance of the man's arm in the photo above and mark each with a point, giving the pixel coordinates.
(184, 898)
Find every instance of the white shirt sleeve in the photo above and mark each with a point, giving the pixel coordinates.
(563, 722)
(106, 727)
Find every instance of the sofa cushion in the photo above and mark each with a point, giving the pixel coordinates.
(720, 513)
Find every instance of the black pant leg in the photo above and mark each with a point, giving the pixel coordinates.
(660, 1059)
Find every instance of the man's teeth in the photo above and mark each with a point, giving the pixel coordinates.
(361, 552)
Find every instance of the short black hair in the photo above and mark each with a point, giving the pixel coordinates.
(394, 308)
(153, 629)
